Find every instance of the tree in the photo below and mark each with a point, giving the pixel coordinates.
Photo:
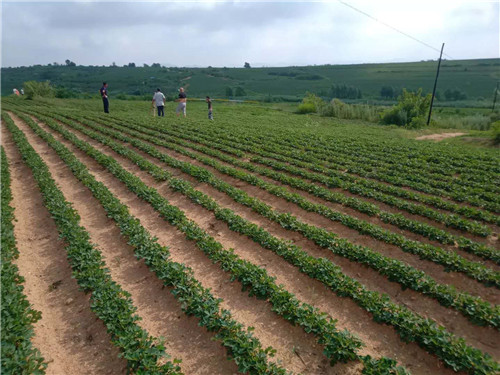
(455, 94)
(131, 65)
(229, 92)
(410, 110)
(247, 65)
(156, 65)
(70, 63)
(240, 91)
(387, 92)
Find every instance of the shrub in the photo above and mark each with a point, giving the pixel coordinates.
(240, 91)
(495, 129)
(304, 108)
(455, 94)
(310, 104)
(64, 93)
(411, 106)
(33, 89)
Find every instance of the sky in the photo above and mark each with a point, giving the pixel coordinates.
(230, 33)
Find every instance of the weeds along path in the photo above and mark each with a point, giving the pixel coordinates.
(397, 344)
(392, 216)
(70, 337)
(160, 311)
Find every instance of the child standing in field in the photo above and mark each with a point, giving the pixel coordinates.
(182, 102)
(210, 113)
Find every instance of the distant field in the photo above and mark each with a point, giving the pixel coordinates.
(477, 78)
(263, 242)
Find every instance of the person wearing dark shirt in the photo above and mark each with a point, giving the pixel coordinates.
(104, 96)
(210, 113)
(182, 102)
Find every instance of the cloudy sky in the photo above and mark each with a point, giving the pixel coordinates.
(263, 33)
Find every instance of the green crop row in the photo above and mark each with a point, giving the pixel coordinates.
(195, 300)
(440, 163)
(437, 202)
(109, 302)
(412, 167)
(450, 260)
(338, 346)
(390, 218)
(476, 309)
(17, 316)
(450, 220)
(244, 143)
(452, 350)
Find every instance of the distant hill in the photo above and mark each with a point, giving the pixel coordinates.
(474, 78)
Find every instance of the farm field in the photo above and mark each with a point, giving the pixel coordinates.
(264, 242)
(475, 77)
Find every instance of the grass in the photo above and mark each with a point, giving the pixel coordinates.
(269, 116)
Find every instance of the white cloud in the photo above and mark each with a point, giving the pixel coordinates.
(226, 33)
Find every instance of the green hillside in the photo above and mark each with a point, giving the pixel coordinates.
(474, 78)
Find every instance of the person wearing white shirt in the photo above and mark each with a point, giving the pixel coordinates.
(159, 100)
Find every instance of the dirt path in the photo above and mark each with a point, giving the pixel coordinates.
(296, 350)
(70, 337)
(160, 312)
(482, 337)
(380, 339)
(438, 136)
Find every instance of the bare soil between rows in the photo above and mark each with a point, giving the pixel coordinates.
(407, 353)
(70, 337)
(160, 312)
(482, 337)
(295, 349)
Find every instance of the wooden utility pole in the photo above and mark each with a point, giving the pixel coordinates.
(435, 84)
(495, 98)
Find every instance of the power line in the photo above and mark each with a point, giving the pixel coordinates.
(391, 27)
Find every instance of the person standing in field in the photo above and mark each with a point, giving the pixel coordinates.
(159, 99)
(210, 113)
(104, 96)
(182, 102)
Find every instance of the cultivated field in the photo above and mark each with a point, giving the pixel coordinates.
(263, 242)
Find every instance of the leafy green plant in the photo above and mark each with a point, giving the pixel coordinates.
(108, 301)
(33, 89)
(410, 110)
(495, 130)
(18, 355)
(452, 357)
